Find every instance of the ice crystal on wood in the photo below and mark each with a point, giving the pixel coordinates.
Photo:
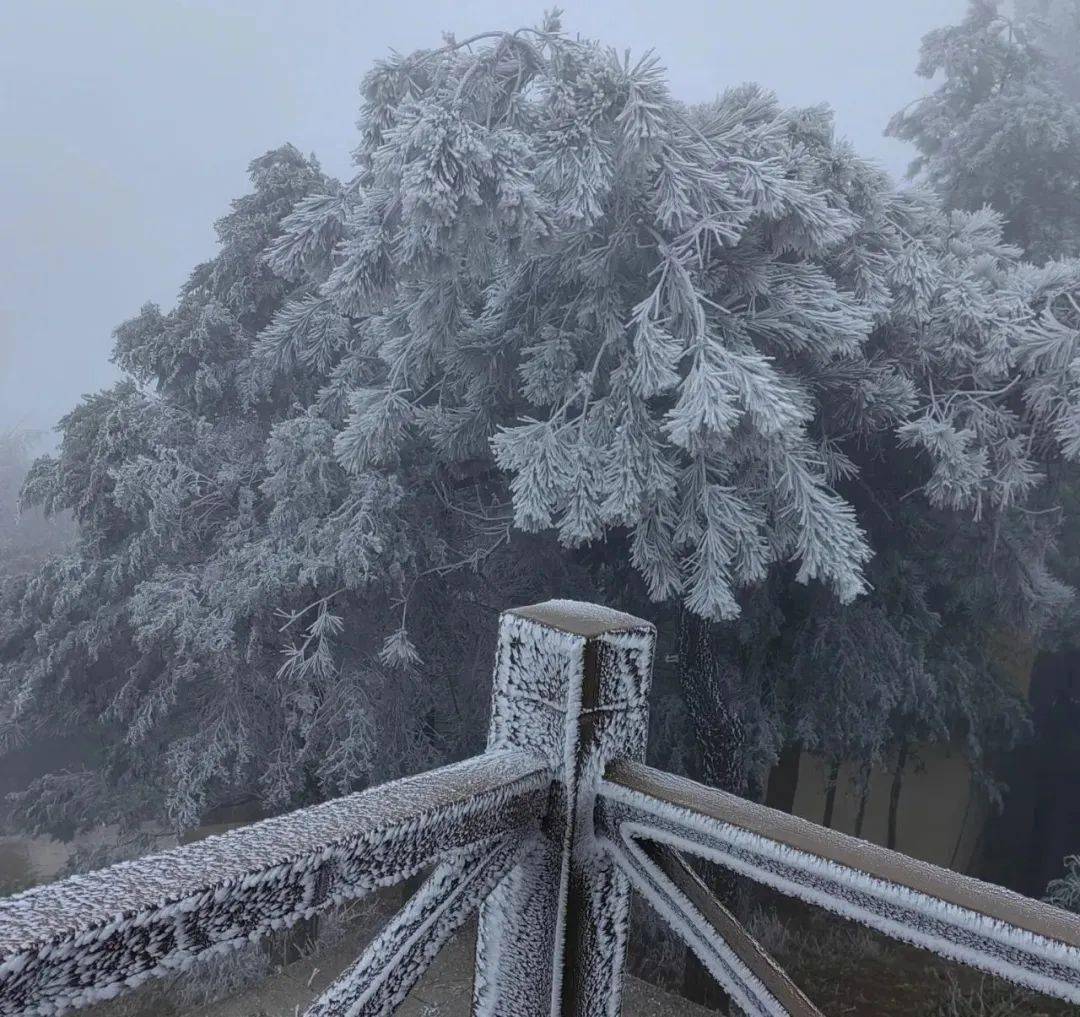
(89, 937)
(951, 915)
(571, 685)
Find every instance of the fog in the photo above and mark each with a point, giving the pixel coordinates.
(784, 459)
(128, 127)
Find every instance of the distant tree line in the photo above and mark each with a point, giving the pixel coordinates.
(26, 537)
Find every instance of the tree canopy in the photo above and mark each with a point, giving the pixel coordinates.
(561, 333)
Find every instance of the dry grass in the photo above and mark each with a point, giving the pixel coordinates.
(850, 971)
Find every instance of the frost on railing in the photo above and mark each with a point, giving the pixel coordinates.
(546, 834)
(645, 817)
(88, 938)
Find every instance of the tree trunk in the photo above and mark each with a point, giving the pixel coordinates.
(894, 793)
(963, 824)
(864, 797)
(784, 779)
(830, 795)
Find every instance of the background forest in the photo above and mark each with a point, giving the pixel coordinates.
(564, 335)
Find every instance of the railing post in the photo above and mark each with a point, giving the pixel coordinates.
(571, 686)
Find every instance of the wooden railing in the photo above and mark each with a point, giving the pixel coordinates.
(546, 834)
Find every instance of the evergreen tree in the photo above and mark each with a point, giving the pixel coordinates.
(231, 620)
(687, 326)
(1003, 126)
(26, 538)
(561, 334)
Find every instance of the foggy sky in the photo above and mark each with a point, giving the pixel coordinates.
(127, 126)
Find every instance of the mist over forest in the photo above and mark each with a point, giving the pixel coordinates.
(577, 322)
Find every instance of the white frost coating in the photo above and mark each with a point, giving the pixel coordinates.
(90, 937)
(738, 981)
(946, 929)
(379, 981)
(571, 686)
(579, 617)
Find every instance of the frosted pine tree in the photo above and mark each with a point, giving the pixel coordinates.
(717, 343)
(1002, 125)
(664, 320)
(560, 334)
(240, 618)
(626, 297)
(26, 538)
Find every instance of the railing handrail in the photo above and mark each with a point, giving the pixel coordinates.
(1027, 942)
(72, 942)
(1034, 916)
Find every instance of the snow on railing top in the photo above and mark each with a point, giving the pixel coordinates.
(1025, 941)
(687, 798)
(579, 619)
(546, 833)
(88, 937)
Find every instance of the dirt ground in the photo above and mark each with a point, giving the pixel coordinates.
(846, 970)
(445, 991)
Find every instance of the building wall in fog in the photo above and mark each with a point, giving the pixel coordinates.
(939, 819)
(941, 816)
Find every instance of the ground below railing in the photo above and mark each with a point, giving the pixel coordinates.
(444, 991)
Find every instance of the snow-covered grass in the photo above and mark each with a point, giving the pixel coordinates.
(656, 954)
(221, 975)
(845, 968)
(770, 929)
